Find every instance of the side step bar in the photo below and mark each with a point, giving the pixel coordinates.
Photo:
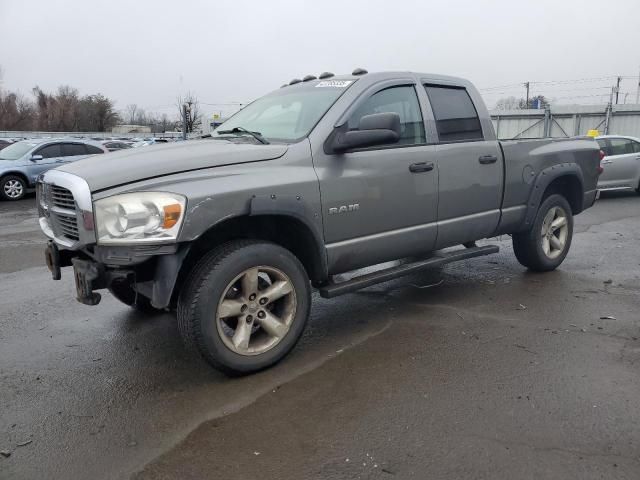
(335, 289)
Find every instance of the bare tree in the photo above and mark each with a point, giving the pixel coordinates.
(193, 115)
(131, 111)
(16, 112)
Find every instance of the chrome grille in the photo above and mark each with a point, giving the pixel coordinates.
(68, 226)
(63, 198)
(65, 209)
(58, 204)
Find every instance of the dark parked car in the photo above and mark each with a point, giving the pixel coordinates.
(115, 145)
(4, 143)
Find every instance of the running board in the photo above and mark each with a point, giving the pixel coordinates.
(441, 258)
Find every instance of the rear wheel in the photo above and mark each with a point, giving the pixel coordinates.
(545, 246)
(244, 306)
(12, 187)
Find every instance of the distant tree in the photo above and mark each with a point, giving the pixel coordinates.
(98, 114)
(166, 124)
(194, 117)
(513, 103)
(16, 112)
(508, 103)
(131, 111)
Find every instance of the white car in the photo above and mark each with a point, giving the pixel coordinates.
(621, 163)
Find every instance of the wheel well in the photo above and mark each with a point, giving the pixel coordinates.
(284, 230)
(16, 174)
(570, 188)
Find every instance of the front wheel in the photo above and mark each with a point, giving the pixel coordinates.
(545, 246)
(12, 187)
(244, 305)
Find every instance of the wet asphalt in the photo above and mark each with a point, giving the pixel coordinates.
(478, 370)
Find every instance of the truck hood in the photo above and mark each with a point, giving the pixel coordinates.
(132, 165)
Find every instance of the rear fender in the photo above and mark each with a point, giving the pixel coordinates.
(543, 180)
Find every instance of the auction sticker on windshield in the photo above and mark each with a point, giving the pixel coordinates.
(335, 83)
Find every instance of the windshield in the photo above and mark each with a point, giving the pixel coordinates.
(286, 115)
(15, 151)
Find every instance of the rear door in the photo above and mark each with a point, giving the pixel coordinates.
(470, 169)
(72, 152)
(620, 165)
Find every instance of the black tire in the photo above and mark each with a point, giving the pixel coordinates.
(528, 246)
(123, 291)
(208, 284)
(9, 193)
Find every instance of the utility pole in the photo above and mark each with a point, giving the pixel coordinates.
(185, 110)
(607, 117)
(526, 85)
(618, 89)
(638, 90)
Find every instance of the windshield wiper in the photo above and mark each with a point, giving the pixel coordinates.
(257, 135)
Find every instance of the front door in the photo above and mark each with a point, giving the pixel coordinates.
(470, 169)
(380, 203)
(51, 154)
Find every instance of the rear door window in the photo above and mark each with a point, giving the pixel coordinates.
(456, 117)
(73, 149)
(620, 146)
(91, 149)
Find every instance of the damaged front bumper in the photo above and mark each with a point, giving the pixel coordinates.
(150, 270)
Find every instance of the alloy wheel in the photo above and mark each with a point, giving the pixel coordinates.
(13, 188)
(256, 310)
(555, 231)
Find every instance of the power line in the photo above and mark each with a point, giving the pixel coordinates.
(559, 82)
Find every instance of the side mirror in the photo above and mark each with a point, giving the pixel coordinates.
(35, 158)
(375, 129)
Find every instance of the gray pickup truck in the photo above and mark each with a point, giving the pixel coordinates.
(320, 177)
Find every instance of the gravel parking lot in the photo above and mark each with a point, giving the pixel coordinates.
(478, 370)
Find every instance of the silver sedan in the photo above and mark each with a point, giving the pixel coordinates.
(621, 163)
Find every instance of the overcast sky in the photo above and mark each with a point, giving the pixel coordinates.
(149, 52)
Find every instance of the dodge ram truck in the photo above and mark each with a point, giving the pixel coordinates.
(321, 177)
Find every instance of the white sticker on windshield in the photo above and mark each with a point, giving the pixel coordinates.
(335, 83)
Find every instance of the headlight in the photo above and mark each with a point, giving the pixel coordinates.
(145, 217)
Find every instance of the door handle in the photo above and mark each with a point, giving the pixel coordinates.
(486, 159)
(421, 167)
(604, 162)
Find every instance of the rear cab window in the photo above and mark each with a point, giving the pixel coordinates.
(456, 116)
